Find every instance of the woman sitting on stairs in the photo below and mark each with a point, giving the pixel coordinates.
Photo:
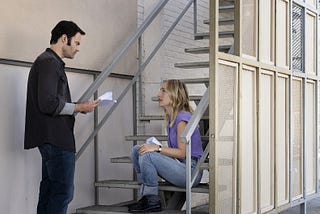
(152, 160)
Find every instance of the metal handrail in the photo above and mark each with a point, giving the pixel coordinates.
(94, 86)
(105, 73)
(186, 138)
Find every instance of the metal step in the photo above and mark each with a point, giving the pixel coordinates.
(109, 209)
(221, 161)
(191, 98)
(205, 50)
(159, 137)
(224, 9)
(161, 117)
(222, 34)
(221, 21)
(200, 50)
(163, 186)
(190, 65)
(151, 117)
(164, 138)
(126, 159)
(104, 209)
(195, 81)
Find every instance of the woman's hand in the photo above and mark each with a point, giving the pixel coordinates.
(144, 148)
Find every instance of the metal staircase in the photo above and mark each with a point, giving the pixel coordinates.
(173, 198)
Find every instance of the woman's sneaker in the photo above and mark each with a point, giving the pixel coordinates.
(148, 203)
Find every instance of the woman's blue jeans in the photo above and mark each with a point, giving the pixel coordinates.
(57, 184)
(153, 164)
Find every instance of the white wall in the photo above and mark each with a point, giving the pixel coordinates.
(25, 27)
(20, 170)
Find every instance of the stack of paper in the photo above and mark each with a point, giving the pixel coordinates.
(153, 140)
(106, 99)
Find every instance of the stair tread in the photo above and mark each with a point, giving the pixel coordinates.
(195, 80)
(127, 159)
(164, 138)
(198, 50)
(108, 209)
(160, 117)
(151, 117)
(205, 50)
(102, 209)
(191, 98)
(226, 8)
(224, 21)
(122, 159)
(190, 65)
(205, 35)
(159, 137)
(164, 186)
(222, 161)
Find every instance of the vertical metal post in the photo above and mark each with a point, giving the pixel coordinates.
(303, 208)
(237, 43)
(137, 103)
(316, 104)
(213, 106)
(290, 106)
(195, 17)
(96, 150)
(140, 99)
(188, 178)
(304, 181)
(134, 126)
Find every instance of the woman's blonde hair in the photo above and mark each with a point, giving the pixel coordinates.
(179, 98)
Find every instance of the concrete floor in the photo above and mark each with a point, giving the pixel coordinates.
(313, 207)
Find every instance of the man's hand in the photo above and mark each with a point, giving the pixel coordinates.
(87, 106)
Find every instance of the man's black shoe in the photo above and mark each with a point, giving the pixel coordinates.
(148, 203)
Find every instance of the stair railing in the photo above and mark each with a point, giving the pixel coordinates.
(105, 73)
(186, 138)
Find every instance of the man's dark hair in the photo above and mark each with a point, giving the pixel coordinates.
(65, 27)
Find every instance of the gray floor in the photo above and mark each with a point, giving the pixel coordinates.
(313, 207)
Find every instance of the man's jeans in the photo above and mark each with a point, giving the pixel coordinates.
(56, 187)
(153, 164)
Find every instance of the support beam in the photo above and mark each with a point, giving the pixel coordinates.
(213, 67)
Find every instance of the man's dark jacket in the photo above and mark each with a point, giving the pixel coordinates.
(47, 93)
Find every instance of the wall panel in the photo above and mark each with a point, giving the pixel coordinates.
(310, 138)
(282, 34)
(297, 139)
(249, 29)
(227, 134)
(282, 140)
(266, 31)
(310, 52)
(266, 140)
(248, 141)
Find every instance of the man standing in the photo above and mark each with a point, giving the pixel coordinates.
(50, 118)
